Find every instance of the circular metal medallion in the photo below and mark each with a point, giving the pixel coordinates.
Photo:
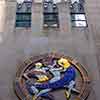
(52, 77)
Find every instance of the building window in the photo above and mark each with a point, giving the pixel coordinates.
(50, 13)
(23, 14)
(77, 12)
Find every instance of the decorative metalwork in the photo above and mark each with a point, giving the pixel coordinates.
(45, 77)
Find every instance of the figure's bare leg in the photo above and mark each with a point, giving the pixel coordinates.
(70, 87)
(43, 92)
